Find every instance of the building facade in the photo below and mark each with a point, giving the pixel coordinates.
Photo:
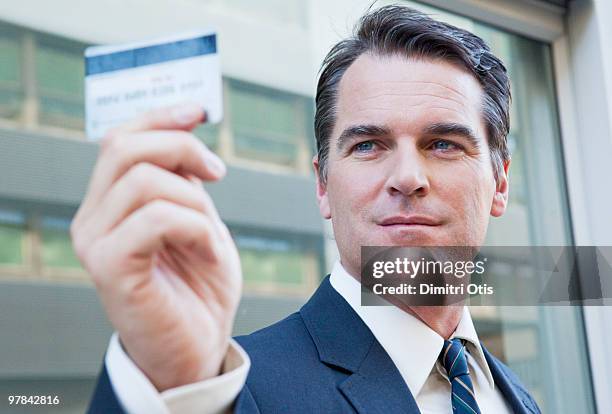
(53, 331)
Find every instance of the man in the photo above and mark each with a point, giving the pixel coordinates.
(411, 125)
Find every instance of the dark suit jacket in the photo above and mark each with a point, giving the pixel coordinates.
(324, 359)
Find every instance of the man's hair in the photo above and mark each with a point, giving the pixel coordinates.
(402, 31)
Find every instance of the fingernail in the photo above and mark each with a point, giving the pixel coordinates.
(186, 114)
(215, 163)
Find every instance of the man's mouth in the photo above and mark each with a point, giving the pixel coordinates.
(409, 220)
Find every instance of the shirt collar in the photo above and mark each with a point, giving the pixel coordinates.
(413, 348)
(465, 330)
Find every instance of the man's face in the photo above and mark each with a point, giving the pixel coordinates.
(409, 162)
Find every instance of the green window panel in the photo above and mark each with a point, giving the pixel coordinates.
(267, 125)
(59, 76)
(263, 109)
(11, 85)
(12, 237)
(279, 268)
(259, 147)
(56, 245)
(277, 261)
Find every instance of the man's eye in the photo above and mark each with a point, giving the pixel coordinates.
(445, 145)
(364, 146)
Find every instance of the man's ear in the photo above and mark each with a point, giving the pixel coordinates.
(500, 199)
(322, 198)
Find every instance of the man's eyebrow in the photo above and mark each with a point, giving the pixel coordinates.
(453, 128)
(364, 130)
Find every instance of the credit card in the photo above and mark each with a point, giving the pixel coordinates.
(123, 81)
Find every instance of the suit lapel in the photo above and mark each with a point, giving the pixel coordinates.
(512, 393)
(377, 387)
(344, 342)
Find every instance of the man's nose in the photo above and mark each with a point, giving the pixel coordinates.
(408, 174)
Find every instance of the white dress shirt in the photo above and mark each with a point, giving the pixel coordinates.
(137, 395)
(414, 348)
(411, 344)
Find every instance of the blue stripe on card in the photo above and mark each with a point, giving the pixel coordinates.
(151, 54)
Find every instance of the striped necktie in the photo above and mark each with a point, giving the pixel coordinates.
(454, 361)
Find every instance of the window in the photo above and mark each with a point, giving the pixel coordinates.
(281, 263)
(11, 84)
(272, 262)
(60, 78)
(36, 246)
(267, 125)
(537, 215)
(41, 79)
(12, 238)
(56, 245)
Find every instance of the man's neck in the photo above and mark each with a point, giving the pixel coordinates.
(441, 319)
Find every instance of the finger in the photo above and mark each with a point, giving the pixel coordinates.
(184, 116)
(130, 247)
(142, 184)
(225, 233)
(172, 150)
